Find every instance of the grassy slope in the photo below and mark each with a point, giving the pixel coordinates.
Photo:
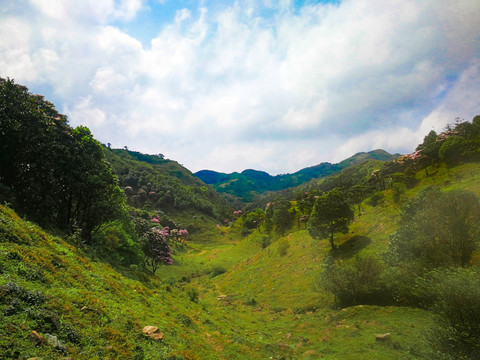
(272, 311)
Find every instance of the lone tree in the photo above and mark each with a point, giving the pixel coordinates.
(331, 214)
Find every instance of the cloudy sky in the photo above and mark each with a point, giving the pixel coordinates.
(269, 85)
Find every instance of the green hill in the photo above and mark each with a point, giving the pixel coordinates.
(153, 183)
(248, 184)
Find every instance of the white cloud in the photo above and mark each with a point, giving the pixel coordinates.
(87, 114)
(278, 93)
(15, 59)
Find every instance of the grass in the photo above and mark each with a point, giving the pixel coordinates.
(272, 308)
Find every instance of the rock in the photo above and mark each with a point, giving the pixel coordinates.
(148, 330)
(157, 336)
(152, 331)
(55, 343)
(383, 337)
(36, 338)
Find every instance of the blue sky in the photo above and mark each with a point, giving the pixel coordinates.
(229, 85)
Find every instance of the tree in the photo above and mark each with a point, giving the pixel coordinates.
(428, 150)
(156, 249)
(358, 193)
(56, 175)
(437, 229)
(253, 219)
(331, 214)
(282, 217)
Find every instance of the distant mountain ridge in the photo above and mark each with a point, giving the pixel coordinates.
(249, 182)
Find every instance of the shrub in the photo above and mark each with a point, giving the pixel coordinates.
(376, 199)
(114, 243)
(454, 295)
(217, 270)
(283, 246)
(193, 295)
(436, 229)
(398, 189)
(354, 282)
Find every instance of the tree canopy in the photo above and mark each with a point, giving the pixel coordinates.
(331, 214)
(53, 174)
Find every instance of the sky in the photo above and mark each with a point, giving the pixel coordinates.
(232, 85)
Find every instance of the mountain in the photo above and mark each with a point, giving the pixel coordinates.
(249, 183)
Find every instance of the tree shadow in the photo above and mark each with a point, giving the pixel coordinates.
(351, 247)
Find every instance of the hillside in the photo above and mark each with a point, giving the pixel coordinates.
(151, 182)
(249, 183)
(271, 308)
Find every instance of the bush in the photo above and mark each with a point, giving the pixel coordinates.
(193, 295)
(454, 295)
(114, 243)
(354, 282)
(283, 246)
(217, 270)
(376, 199)
(398, 189)
(436, 229)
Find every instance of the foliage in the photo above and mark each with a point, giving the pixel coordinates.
(437, 229)
(354, 282)
(376, 199)
(278, 216)
(331, 214)
(153, 183)
(56, 174)
(156, 249)
(454, 295)
(398, 189)
(253, 219)
(356, 195)
(115, 241)
(250, 185)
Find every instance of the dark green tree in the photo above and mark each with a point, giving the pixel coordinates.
(429, 150)
(331, 214)
(356, 195)
(55, 175)
(282, 216)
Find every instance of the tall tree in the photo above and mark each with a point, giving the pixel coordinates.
(331, 214)
(55, 175)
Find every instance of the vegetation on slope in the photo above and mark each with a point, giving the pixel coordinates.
(249, 184)
(152, 182)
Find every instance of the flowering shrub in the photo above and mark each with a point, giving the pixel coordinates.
(156, 249)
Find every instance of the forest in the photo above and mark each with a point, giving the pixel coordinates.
(114, 254)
